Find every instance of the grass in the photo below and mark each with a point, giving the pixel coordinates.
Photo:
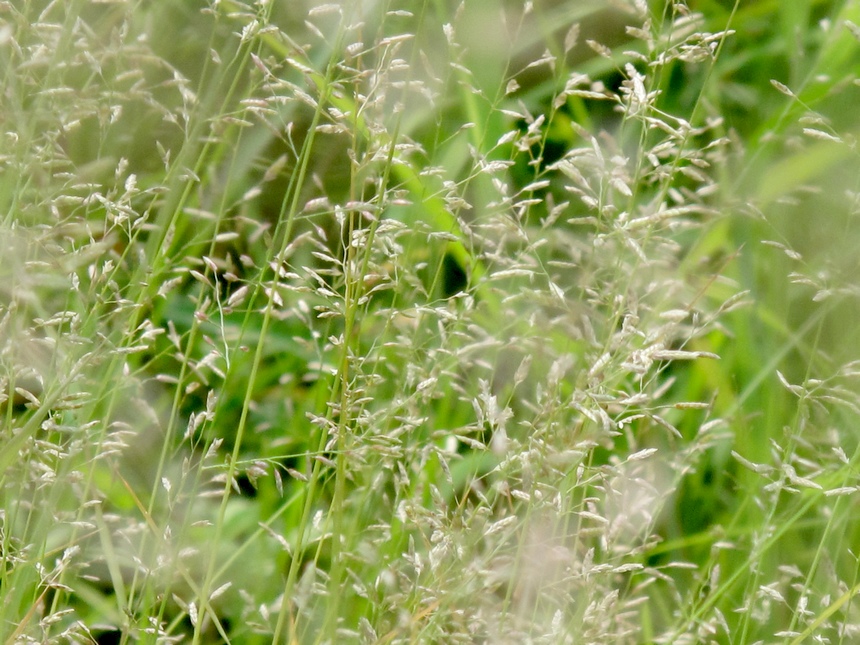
(429, 322)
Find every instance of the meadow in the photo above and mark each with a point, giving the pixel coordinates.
(429, 322)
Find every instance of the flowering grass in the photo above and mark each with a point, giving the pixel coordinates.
(429, 322)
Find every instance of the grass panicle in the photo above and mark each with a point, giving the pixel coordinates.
(428, 322)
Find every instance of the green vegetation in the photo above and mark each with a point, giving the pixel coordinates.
(429, 322)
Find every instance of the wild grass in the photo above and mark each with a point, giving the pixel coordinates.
(429, 322)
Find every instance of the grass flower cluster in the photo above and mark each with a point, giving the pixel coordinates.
(414, 322)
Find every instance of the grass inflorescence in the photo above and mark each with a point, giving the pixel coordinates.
(407, 322)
